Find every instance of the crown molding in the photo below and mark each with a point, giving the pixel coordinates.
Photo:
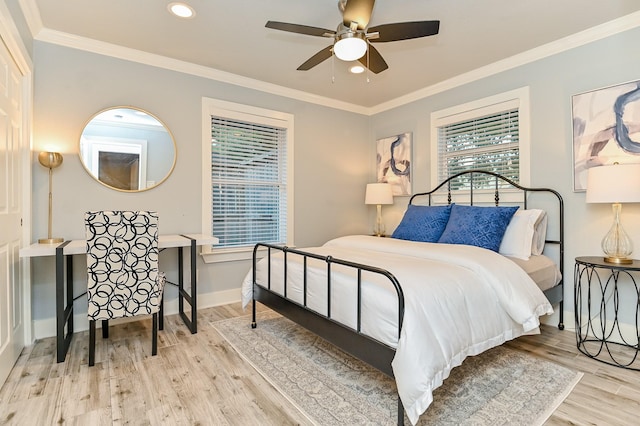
(590, 35)
(133, 55)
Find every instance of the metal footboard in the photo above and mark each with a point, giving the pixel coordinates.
(351, 340)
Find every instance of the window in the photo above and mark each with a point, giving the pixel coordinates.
(489, 134)
(247, 174)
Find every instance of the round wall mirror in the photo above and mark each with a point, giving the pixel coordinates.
(127, 149)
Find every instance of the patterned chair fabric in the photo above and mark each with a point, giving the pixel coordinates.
(122, 264)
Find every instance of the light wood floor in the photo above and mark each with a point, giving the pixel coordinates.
(200, 380)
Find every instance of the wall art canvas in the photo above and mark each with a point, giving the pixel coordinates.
(393, 159)
(606, 129)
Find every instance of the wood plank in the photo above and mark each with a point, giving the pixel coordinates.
(200, 379)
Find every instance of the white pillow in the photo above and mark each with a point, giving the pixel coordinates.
(540, 235)
(518, 240)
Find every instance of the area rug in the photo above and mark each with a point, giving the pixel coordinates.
(499, 387)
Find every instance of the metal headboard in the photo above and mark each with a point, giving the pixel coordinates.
(499, 186)
(511, 188)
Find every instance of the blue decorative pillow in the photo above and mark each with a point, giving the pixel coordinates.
(422, 223)
(477, 226)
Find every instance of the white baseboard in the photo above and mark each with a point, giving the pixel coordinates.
(554, 318)
(624, 333)
(47, 327)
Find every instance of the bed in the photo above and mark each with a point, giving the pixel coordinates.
(415, 306)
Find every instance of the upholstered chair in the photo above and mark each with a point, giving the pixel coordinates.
(122, 269)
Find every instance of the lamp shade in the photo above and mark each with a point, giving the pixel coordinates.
(617, 183)
(50, 160)
(378, 193)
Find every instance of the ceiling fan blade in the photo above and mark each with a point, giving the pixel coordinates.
(299, 29)
(357, 11)
(376, 63)
(404, 30)
(319, 57)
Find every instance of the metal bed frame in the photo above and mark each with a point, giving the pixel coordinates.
(352, 340)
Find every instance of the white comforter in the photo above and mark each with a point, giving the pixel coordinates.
(459, 301)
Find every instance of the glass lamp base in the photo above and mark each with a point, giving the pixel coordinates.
(379, 230)
(617, 245)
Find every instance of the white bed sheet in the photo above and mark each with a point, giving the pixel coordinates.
(459, 301)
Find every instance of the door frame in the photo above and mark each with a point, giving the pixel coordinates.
(14, 43)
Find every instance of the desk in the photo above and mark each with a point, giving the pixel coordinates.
(64, 261)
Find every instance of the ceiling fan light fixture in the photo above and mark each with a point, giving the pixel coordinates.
(350, 46)
(356, 69)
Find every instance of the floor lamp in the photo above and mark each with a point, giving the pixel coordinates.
(378, 194)
(50, 160)
(615, 184)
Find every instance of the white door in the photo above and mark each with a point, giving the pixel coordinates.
(11, 187)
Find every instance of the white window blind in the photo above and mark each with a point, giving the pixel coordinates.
(249, 182)
(489, 142)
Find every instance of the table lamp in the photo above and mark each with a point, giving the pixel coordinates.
(378, 194)
(616, 184)
(50, 160)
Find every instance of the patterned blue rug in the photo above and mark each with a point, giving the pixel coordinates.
(499, 387)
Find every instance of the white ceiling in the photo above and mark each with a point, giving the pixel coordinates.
(230, 36)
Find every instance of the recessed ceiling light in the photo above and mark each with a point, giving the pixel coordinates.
(181, 10)
(357, 69)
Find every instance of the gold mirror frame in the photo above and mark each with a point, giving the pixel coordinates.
(127, 149)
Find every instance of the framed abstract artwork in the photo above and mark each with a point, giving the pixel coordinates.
(606, 129)
(393, 162)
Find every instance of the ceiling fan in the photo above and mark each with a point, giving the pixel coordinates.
(352, 38)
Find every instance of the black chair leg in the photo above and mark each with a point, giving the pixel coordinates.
(92, 343)
(105, 329)
(154, 338)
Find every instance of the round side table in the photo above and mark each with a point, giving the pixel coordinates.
(597, 297)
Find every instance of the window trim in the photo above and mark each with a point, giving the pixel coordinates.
(515, 98)
(235, 111)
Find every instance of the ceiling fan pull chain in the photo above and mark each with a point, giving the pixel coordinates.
(333, 68)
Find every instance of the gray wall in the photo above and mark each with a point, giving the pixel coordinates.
(72, 85)
(552, 82)
(330, 175)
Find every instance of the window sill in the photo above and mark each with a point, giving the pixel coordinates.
(230, 255)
